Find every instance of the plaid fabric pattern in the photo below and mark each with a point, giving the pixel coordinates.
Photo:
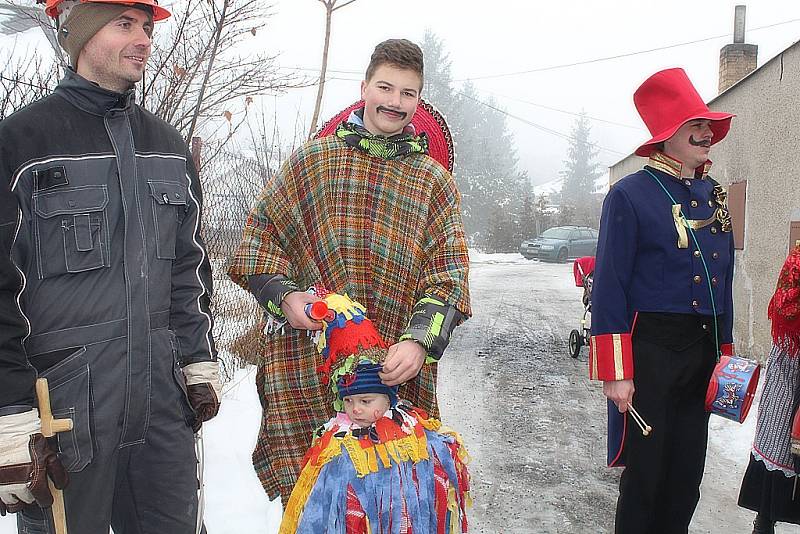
(383, 231)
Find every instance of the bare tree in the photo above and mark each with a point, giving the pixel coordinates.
(28, 75)
(330, 7)
(25, 78)
(195, 76)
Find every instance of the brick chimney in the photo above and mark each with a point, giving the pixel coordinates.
(738, 59)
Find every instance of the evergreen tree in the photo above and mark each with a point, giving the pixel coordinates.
(486, 162)
(501, 230)
(437, 85)
(580, 174)
(527, 219)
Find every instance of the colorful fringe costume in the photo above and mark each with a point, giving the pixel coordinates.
(404, 474)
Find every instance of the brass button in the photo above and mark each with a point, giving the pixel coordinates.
(697, 279)
(695, 304)
(696, 253)
(705, 327)
(715, 255)
(710, 203)
(687, 182)
(693, 203)
(713, 280)
(713, 229)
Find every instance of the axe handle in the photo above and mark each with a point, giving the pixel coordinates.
(58, 509)
(50, 427)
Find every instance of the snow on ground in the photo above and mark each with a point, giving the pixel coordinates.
(478, 257)
(554, 186)
(236, 503)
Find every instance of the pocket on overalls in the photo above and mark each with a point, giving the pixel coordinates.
(177, 373)
(71, 397)
(70, 230)
(169, 208)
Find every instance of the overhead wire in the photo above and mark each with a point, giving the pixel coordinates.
(528, 122)
(572, 64)
(617, 56)
(555, 67)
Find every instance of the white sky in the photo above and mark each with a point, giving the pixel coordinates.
(490, 38)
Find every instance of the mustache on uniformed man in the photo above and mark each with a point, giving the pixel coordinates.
(702, 142)
(401, 113)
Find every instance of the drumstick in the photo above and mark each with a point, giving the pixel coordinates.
(638, 422)
(646, 429)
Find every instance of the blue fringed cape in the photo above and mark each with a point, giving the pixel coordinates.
(405, 471)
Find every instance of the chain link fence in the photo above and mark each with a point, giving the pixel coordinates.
(231, 183)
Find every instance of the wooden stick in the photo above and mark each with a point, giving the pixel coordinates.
(646, 429)
(50, 427)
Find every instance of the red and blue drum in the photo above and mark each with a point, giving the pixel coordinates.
(732, 387)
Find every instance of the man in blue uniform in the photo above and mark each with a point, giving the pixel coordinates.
(662, 307)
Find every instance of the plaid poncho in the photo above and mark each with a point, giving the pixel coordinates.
(384, 231)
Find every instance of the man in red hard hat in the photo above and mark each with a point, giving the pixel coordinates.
(104, 290)
(662, 306)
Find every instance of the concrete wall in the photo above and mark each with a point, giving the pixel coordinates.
(763, 147)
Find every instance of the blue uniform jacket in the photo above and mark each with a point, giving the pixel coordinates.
(647, 261)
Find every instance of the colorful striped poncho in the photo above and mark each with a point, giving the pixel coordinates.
(406, 474)
(384, 231)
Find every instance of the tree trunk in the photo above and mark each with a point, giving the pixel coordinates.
(324, 69)
(210, 68)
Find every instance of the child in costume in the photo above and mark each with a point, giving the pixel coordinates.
(380, 466)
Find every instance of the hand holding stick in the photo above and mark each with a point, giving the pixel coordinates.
(646, 429)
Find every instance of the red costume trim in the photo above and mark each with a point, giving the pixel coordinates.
(611, 357)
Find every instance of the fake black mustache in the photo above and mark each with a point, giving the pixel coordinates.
(703, 142)
(402, 114)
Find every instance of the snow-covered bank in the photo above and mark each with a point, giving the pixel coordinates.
(534, 305)
(235, 501)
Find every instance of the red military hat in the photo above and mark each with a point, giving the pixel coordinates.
(426, 119)
(666, 101)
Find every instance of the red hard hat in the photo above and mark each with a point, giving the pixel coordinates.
(159, 13)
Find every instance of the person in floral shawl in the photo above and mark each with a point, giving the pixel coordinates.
(365, 211)
(770, 483)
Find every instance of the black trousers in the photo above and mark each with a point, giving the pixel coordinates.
(674, 357)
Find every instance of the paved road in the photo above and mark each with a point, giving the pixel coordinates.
(535, 425)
